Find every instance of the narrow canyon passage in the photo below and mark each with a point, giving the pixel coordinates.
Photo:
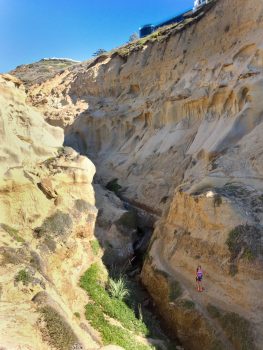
(124, 232)
(121, 175)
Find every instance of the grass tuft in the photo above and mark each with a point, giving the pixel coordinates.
(118, 289)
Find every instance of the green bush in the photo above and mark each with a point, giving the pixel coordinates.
(59, 332)
(249, 255)
(24, 277)
(13, 233)
(95, 246)
(110, 333)
(114, 308)
(77, 314)
(118, 289)
(113, 186)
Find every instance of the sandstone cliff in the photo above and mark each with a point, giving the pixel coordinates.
(47, 219)
(177, 119)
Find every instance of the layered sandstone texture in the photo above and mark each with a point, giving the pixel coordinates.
(177, 119)
(47, 218)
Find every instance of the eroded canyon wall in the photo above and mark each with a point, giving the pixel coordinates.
(177, 119)
(47, 219)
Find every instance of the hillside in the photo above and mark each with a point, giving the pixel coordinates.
(173, 124)
(38, 72)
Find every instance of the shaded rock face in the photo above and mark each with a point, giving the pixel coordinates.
(44, 232)
(179, 123)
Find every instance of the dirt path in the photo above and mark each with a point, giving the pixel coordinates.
(201, 299)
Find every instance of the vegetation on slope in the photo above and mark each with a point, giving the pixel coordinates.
(105, 308)
(57, 332)
(237, 328)
(38, 72)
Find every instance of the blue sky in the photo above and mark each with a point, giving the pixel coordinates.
(34, 29)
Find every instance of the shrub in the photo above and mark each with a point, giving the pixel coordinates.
(99, 52)
(217, 200)
(50, 243)
(77, 314)
(113, 186)
(35, 261)
(111, 334)
(118, 288)
(213, 311)
(186, 304)
(91, 281)
(58, 224)
(11, 256)
(24, 277)
(95, 246)
(233, 240)
(59, 332)
(245, 240)
(249, 255)
(238, 330)
(128, 220)
(175, 290)
(13, 233)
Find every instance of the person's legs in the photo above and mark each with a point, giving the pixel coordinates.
(200, 286)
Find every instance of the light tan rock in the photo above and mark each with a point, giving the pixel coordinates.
(179, 122)
(44, 246)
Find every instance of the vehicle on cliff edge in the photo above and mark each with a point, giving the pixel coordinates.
(148, 29)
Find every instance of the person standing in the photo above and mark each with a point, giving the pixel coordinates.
(199, 278)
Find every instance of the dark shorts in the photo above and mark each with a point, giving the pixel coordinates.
(198, 279)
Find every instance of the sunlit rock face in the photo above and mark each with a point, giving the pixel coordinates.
(178, 122)
(47, 218)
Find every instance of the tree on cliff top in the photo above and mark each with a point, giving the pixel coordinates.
(99, 52)
(133, 37)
